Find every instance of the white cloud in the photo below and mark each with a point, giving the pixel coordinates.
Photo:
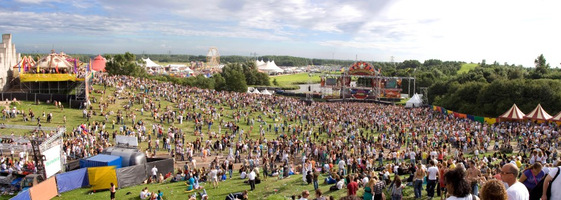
(512, 31)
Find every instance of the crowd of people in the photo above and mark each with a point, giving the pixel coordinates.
(357, 146)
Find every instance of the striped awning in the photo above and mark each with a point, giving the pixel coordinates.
(538, 114)
(557, 117)
(514, 113)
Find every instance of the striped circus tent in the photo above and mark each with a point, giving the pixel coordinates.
(538, 114)
(557, 117)
(514, 113)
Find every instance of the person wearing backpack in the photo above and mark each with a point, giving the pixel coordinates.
(552, 181)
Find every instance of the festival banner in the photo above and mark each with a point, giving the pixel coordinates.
(456, 115)
(449, 112)
(471, 117)
(490, 121)
(479, 119)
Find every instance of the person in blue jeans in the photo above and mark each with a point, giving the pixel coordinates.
(418, 181)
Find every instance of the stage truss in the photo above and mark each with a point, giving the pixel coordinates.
(369, 84)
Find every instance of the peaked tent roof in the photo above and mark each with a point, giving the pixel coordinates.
(268, 66)
(513, 113)
(150, 63)
(538, 114)
(266, 92)
(25, 60)
(98, 63)
(415, 101)
(556, 117)
(53, 60)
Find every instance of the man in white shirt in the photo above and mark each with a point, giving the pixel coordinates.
(555, 194)
(144, 194)
(515, 190)
(251, 178)
(154, 173)
(432, 172)
(341, 166)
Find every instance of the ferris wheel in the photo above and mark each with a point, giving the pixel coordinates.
(213, 57)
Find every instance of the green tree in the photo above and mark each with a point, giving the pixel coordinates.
(234, 78)
(124, 64)
(275, 83)
(542, 67)
(263, 79)
(219, 82)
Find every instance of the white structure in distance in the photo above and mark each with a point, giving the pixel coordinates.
(268, 67)
(8, 58)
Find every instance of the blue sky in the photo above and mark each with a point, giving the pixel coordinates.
(509, 31)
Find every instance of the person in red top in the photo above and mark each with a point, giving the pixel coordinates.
(352, 187)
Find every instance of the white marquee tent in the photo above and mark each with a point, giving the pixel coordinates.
(268, 67)
(415, 101)
(150, 63)
(266, 92)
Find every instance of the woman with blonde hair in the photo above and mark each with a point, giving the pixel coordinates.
(369, 188)
(493, 190)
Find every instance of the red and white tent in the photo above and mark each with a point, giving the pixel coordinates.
(556, 117)
(514, 113)
(538, 114)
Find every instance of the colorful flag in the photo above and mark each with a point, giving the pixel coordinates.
(56, 68)
(75, 67)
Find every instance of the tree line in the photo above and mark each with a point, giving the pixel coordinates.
(234, 77)
(487, 90)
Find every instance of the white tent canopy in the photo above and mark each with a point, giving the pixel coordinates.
(269, 66)
(266, 92)
(415, 101)
(256, 91)
(150, 63)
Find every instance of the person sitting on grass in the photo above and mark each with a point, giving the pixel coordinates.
(144, 193)
(190, 184)
(238, 195)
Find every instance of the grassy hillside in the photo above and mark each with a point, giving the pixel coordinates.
(467, 67)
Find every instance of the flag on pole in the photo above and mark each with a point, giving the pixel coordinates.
(20, 64)
(56, 68)
(75, 67)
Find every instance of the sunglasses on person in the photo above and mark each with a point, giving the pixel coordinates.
(506, 172)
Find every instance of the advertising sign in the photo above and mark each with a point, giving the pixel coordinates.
(52, 160)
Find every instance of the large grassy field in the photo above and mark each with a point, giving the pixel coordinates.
(467, 67)
(293, 79)
(271, 189)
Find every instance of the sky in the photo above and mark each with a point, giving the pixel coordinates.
(511, 31)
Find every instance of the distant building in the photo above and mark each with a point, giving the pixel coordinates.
(8, 59)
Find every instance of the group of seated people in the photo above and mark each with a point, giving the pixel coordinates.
(145, 194)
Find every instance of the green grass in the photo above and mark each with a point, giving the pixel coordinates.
(402, 101)
(293, 79)
(272, 188)
(467, 67)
